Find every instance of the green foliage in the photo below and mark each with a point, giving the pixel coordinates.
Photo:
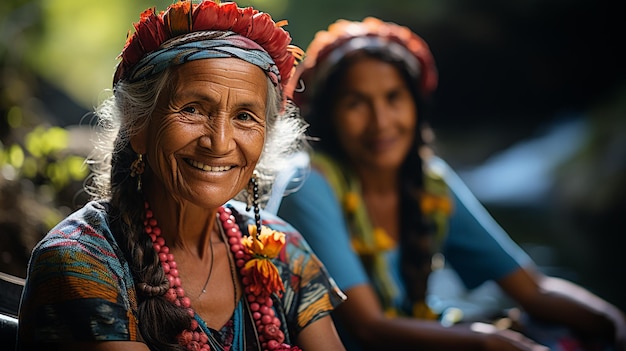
(43, 159)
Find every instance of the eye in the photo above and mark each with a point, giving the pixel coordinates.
(398, 96)
(393, 96)
(244, 116)
(190, 109)
(351, 102)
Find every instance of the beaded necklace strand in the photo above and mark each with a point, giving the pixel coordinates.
(260, 303)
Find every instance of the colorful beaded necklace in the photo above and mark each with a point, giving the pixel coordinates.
(258, 299)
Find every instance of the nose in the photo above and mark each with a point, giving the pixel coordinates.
(218, 135)
(379, 114)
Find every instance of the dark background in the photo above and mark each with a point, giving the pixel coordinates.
(511, 73)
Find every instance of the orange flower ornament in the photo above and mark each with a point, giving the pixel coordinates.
(259, 270)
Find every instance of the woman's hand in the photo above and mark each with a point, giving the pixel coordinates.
(505, 339)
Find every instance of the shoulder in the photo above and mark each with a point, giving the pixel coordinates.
(77, 277)
(86, 230)
(81, 247)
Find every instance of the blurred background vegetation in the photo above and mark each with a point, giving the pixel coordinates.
(531, 110)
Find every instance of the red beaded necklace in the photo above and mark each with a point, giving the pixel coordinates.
(259, 301)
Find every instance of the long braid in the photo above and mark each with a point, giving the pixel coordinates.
(417, 233)
(160, 321)
(418, 237)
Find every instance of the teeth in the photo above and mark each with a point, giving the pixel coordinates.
(208, 168)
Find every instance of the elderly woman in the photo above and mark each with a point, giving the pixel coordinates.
(163, 258)
(365, 84)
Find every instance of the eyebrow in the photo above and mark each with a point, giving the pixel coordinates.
(250, 102)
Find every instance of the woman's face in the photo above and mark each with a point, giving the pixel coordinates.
(207, 131)
(375, 115)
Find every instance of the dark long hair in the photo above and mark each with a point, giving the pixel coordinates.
(416, 231)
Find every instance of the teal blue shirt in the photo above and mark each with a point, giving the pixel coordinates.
(475, 246)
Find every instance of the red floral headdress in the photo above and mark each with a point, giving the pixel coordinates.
(185, 17)
(326, 42)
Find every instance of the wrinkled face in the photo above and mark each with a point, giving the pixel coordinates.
(375, 115)
(207, 131)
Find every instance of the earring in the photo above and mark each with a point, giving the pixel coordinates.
(253, 200)
(136, 170)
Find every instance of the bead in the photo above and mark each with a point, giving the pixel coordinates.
(193, 346)
(170, 295)
(224, 216)
(272, 344)
(228, 224)
(266, 319)
(185, 301)
(267, 324)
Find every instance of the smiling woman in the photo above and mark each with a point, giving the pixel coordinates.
(198, 119)
(207, 131)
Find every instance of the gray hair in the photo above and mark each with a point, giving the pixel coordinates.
(129, 109)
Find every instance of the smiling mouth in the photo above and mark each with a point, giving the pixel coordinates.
(202, 166)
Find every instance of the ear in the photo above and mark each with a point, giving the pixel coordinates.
(139, 141)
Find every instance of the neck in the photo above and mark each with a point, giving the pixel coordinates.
(377, 181)
(185, 226)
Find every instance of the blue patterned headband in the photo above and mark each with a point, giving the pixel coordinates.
(205, 45)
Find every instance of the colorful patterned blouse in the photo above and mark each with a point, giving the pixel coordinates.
(79, 286)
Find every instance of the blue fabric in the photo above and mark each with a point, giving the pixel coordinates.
(205, 45)
(315, 212)
(476, 246)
